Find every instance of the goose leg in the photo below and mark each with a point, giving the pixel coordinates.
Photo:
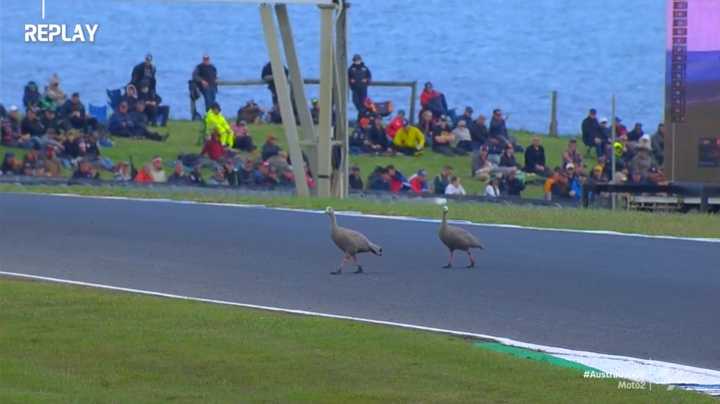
(472, 260)
(449, 264)
(342, 264)
(359, 267)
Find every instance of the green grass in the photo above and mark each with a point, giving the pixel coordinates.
(185, 135)
(67, 344)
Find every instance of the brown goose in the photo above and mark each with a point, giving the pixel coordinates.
(350, 243)
(456, 238)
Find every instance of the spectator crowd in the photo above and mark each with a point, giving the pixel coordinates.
(58, 133)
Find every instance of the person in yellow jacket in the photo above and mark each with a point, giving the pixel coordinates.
(214, 120)
(409, 140)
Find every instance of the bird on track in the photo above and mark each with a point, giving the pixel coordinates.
(350, 242)
(456, 238)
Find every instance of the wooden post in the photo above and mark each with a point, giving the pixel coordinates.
(413, 102)
(341, 119)
(327, 79)
(613, 136)
(553, 132)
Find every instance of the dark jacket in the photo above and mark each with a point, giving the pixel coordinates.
(377, 136)
(269, 150)
(120, 124)
(478, 133)
(506, 161)
(33, 127)
(590, 130)
(498, 128)
(356, 183)
(534, 157)
(67, 109)
(439, 184)
(207, 73)
(358, 73)
(140, 74)
(512, 186)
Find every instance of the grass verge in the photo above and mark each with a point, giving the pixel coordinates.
(70, 344)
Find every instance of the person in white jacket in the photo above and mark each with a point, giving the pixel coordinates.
(455, 188)
(492, 190)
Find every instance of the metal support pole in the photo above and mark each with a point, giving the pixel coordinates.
(413, 102)
(341, 119)
(326, 101)
(613, 136)
(553, 132)
(308, 134)
(284, 101)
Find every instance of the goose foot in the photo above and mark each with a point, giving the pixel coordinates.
(359, 270)
(338, 272)
(448, 266)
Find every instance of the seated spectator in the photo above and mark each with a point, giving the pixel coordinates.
(178, 177)
(86, 171)
(280, 164)
(427, 125)
(214, 120)
(398, 182)
(10, 165)
(658, 144)
(466, 116)
(31, 124)
(433, 100)
(455, 188)
(73, 112)
(395, 125)
(590, 130)
(507, 159)
(10, 128)
(418, 182)
(152, 172)
(492, 189)
(556, 185)
(377, 139)
(270, 148)
(598, 177)
(120, 123)
(355, 179)
(32, 165)
(122, 172)
(139, 125)
(636, 178)
(54, 93)
(213, 149)
(482, 167)
(643, 160)
(195, 177)
(31, 95)
(218, 178)
(53, 165)
(51, 121)
(479, 132)
(246, 173)
(443, 139)
(358, 139)
(264, 175)
(574, 182)
(463, 138)
(379, 180)
(442, 180)
(251, 113)
(130, 97)
(409, 140)
(535, 159)
(498, 129)
(511, 185)
(243, 140)
(155, 111)
(571, 155)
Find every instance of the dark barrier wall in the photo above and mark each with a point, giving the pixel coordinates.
(692, 144)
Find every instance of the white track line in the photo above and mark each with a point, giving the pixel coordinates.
(620, 366)
(382, 217)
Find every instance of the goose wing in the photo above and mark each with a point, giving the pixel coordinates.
(350, 241)
(460, 239)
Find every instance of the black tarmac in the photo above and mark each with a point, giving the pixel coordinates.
(640, 297)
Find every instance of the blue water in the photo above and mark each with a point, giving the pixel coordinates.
(483, 53)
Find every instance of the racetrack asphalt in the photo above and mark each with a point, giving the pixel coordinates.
(640, 297)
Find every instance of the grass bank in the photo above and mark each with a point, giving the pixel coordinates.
(69, 344)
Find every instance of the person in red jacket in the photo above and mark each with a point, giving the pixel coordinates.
(433, 100)
(395, 125)
(418, 182)
(213, 148)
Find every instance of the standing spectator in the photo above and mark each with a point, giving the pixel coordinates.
(658, 144)
(205, 77)
(54, 93)
(215, 121)
(267, 76)
(433, 100)
(270, 148)
(355, 180)
(359, 77)
(144, 71)
(418, 182)
(535, 162)
(315, 110)
(442, 180)
(455, 188)
(590, 130)
(603, 138)
(409, 140)
(463, 139)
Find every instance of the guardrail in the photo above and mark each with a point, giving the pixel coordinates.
(696, 190)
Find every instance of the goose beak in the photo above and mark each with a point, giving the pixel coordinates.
(328, 210)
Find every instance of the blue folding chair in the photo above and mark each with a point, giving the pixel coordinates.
(99, 113)
(114, 98)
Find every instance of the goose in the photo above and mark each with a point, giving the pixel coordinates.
(350, 242)
(456, 238)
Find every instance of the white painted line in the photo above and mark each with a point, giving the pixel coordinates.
(621, 366)
(383, 217)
